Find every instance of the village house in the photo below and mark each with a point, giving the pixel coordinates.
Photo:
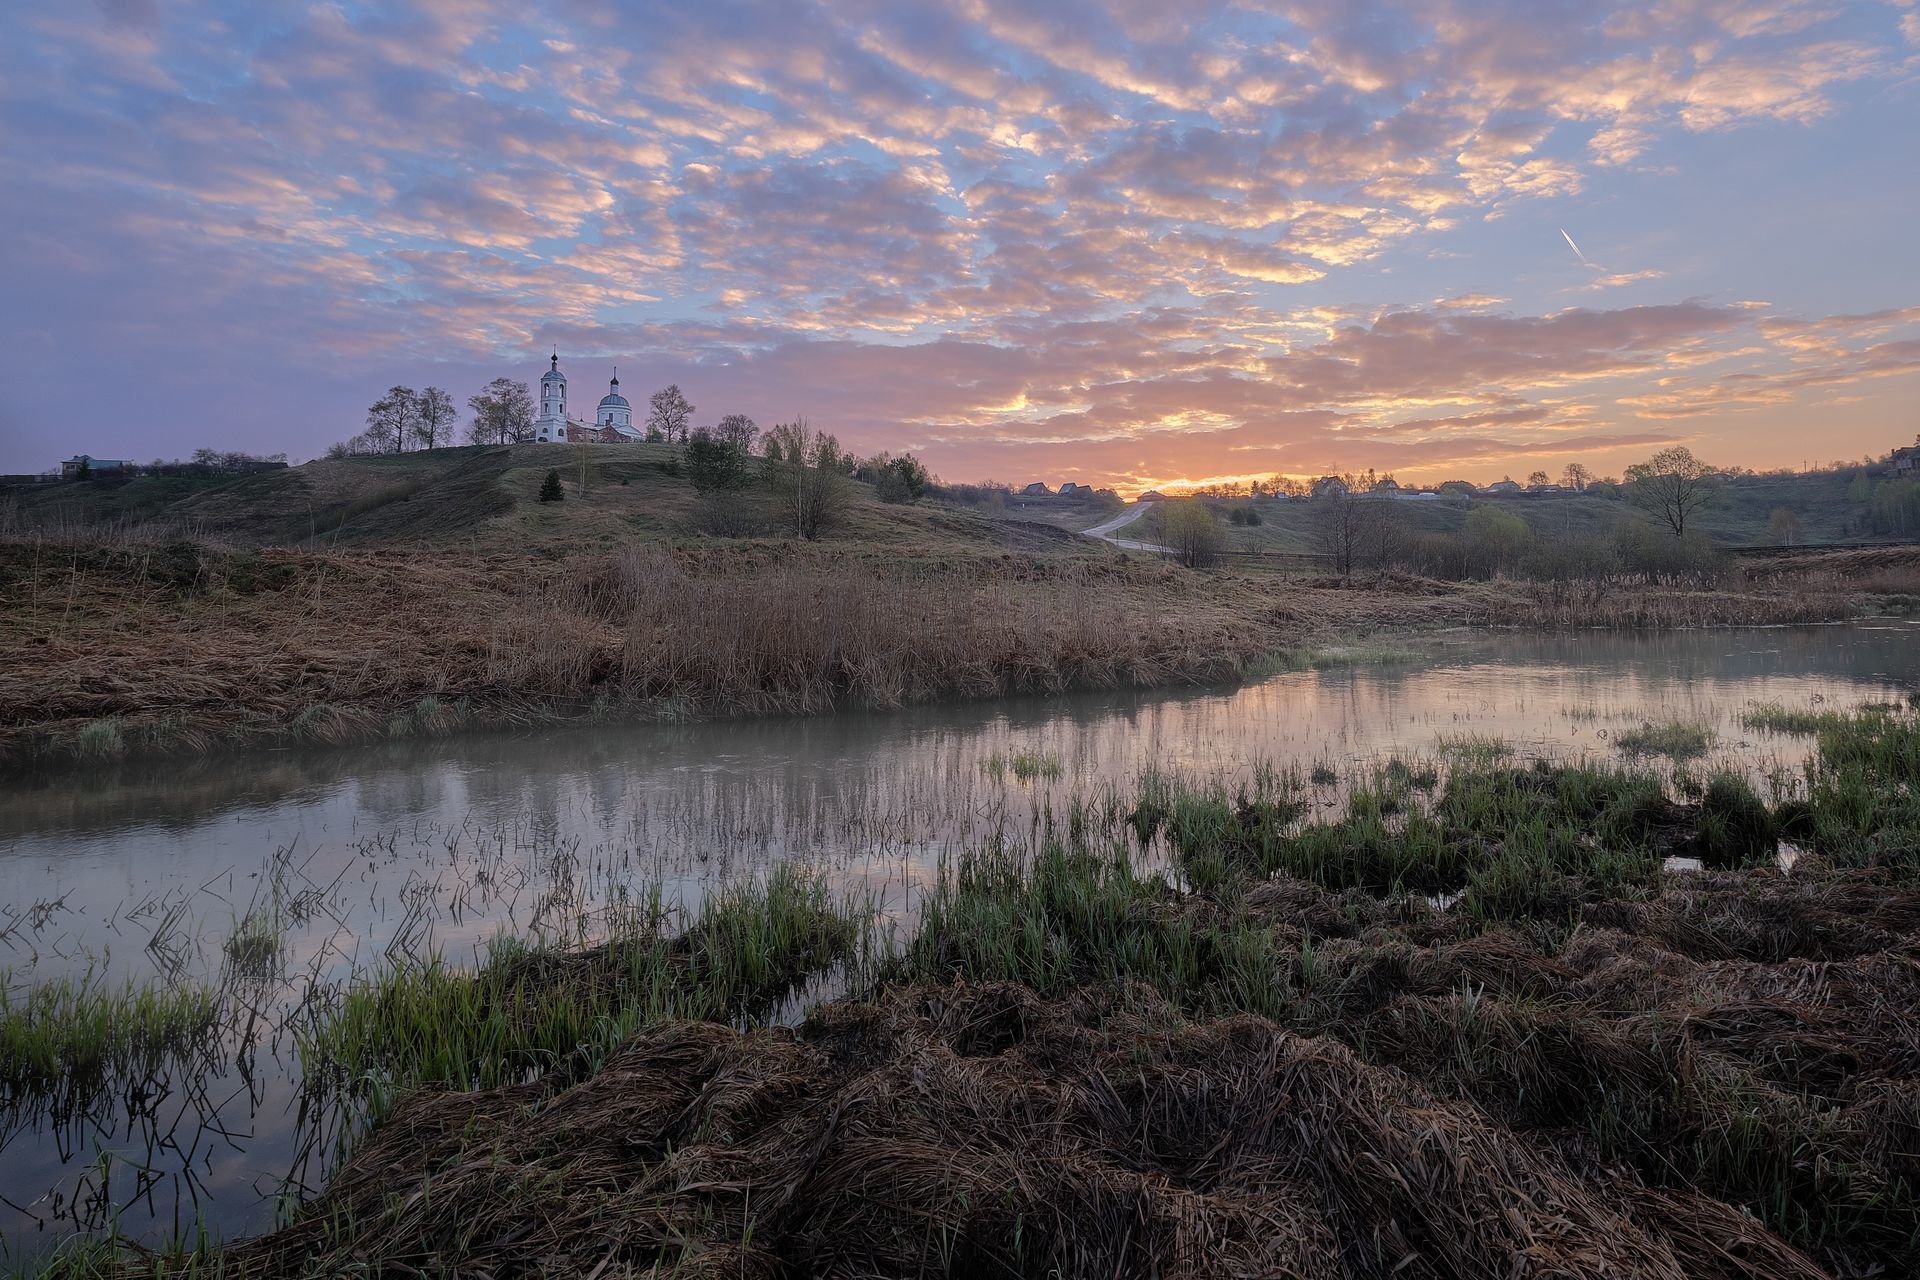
(1069, 488)
(1038, 489)
(1151, 495)
(1504, 486)
(1387, 485)
(1329, 487)
(1905, 461)
(92, 466)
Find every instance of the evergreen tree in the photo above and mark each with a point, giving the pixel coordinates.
(550, 490)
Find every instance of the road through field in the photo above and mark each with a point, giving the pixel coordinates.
(1106, 529)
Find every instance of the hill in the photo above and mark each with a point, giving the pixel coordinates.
(489, 496)
(1824, 502)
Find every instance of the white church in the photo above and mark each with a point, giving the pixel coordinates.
(612, 423)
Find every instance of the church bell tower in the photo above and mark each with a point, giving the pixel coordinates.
(551, 426)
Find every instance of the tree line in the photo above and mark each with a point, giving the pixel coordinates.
(1355, 534)
(805, 471)
(503, 413)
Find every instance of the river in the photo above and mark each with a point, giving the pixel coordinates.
(142, 871)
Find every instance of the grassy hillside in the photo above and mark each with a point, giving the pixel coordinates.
(1827, 513)
(488, 497)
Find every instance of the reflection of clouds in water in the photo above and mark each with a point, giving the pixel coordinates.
(407, 847)
(465, 823)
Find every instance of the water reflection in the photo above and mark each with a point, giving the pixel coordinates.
(144, 870)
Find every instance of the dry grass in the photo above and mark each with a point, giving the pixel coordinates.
(1649, 607)
(980, 1130)
(184, 645)
(810, 637)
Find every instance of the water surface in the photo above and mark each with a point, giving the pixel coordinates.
(143, 871)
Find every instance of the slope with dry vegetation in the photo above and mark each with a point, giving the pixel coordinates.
(414, 594)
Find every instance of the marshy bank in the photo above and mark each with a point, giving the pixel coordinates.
(1466, 1020)
(114, 649)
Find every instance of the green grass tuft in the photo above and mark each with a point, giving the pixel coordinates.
(1676, 740)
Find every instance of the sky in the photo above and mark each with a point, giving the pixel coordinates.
(1130, 243)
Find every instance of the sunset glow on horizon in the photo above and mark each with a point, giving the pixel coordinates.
(1122, 243)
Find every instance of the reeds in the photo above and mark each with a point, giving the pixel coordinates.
(531, 1008)
(1676, 740)
(807, 637)
(1025, 766)
(71, 1035)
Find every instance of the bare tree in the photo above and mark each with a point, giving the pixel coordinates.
(669, 414)
(1576, 477)
(434, 416)
(1673, 486)
(1539, 477)
(1340, 525)
(1190, 531)
(1784, 526)
(808, 476)
(1384, 537)
(502, 413)
(390, 420)
(738, 430)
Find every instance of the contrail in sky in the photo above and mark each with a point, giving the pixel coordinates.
(1576, 248)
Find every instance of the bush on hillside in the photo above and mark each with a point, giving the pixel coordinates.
(902, 479)
(715, 465)
(550, 490)
(1188, 527)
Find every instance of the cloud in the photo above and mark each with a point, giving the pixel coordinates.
(1097, 234)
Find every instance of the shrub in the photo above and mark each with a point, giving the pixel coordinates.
(807, 472)
(1648, 550)
(1191, 532)
(715, 465)
(550, 490)
(899, 480)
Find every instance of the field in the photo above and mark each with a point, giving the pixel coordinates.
(1473, 1022)
(1739, 518)
(418, 594)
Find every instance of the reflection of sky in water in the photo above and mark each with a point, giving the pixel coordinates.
(411, 845)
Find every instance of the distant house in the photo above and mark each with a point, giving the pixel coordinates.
(1329, 487)
(1504, 486)
(1386, 485)
(1152, 495)
(1069, 488)
(1038, 489)
(92, 466)
(1548, 488)
(1905, 460)
(1414, 495)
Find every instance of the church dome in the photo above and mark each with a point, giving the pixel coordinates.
(554, 374)
(613, 399)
